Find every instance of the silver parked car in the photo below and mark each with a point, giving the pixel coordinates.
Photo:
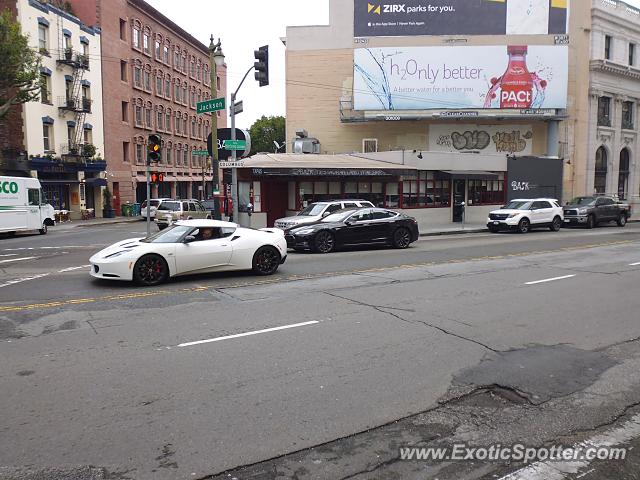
(318, 210)
(170, 211)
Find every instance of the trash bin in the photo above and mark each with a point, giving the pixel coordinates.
(126, 210)
(135, 210)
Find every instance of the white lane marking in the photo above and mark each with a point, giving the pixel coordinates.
(20, 280)
(17, 259)
(554, 470)
(71, 269)
(256, 332)
(9, 255)
(634, 264)
(549, 280)
(18, 249)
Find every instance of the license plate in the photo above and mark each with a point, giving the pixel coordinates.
(496, 223)
(566, 220)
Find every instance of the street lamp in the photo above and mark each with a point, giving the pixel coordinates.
(216, 58)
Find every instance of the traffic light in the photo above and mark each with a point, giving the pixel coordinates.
(154, 148)
(157, 177)
(262, 65)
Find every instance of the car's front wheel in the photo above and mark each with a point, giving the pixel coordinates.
(524, 226)
(591, 221)
(43, 230)
(401, 238)
(150, 270)
(266, 260)
(556, 225)
(324, 242)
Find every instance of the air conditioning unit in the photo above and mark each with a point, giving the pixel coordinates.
(304, 144)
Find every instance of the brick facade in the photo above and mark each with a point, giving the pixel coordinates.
(143, 88)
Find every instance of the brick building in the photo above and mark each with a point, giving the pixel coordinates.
(154, 73)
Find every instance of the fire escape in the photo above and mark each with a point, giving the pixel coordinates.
(74, 101)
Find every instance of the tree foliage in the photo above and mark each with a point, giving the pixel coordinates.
(19, 66)
(265, 131)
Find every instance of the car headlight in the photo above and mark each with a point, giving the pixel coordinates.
(304, 231)
(512, 215)
(582, 211)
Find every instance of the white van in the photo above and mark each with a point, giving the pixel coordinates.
(23, 206)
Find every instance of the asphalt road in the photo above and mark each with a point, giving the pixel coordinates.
(214, 372)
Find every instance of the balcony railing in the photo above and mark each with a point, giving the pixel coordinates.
(74, 59)
(66, 103)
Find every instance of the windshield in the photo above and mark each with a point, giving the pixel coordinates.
(173, 206)
(171, 234)
(518, 205)
(338, 216)
(583, 201)
(313, 209)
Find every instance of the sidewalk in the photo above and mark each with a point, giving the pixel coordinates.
(97, 222)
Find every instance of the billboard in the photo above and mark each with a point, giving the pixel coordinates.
(492, 139)
(468, 77)
(373, 18)
(534, 177)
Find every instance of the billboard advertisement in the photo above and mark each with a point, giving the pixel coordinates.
(534, 177)
(373, 18)
(492, 139)
(469, 77)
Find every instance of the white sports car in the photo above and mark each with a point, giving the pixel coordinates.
(191, 246)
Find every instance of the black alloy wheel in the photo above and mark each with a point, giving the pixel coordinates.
(556, 225)
(324, 242)
(524, 226)
(622, 220)
(266, 261)
(591, 222)
(150, 270)
(401, 238)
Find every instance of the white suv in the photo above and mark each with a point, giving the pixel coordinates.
(153, 206)
(315, 212)
(524, 214)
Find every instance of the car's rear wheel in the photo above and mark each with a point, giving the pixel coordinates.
(401, 238)
(524, 226)
(266, 260)
(556, 225)
(591, 222)
(150, 270)
(622, 220)
(44, 229)
(324, 242)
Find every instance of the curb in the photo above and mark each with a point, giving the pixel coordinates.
(102, 224)
(454, 232)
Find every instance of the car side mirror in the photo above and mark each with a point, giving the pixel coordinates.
(325, 213)
(189, 239)
(349, 221)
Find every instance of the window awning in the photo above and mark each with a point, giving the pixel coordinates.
(96, 182)
(469, 175)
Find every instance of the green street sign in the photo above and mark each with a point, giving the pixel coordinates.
(201, 153)
(211, 105)
(234, 145)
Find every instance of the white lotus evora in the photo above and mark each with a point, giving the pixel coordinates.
(189, 247)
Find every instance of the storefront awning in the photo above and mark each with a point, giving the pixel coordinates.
(96, 182)
(469, 175)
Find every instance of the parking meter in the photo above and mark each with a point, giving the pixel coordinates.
(249, 209)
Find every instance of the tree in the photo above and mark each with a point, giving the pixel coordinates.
(19, 66)
(264, 132)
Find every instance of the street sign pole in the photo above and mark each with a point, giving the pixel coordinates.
(234, 171)
(215, 166)
(148, 198)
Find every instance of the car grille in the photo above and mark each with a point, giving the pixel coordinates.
(571, 212)
(498, 216)
(283, 225)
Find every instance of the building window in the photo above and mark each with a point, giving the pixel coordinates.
(623, 175)
(176, 59)
(71, 135)
(627, 115)
(486, 192)
(147, 117)
(145, 43)
(136, 37)
(167, 88)
(158, 50)
(45, 89)
(167, 120)
(123, 29)
(199, 72)
(185, 132)
(88, 136)
(600, 183)
(125, 111)
(138, 116)
(123, 70)
(139, 154)
(125, 152)
(137, 76)
(192, 68)
(369, 145)
(147, 80)
(160, 121)
(193, 127)
(217, 83)
(168, 154)
(159, 84)
(185, 95)
(184, 64)
(604, 111)
(177, 95)
(632, 54)
(607, 47)
(43, 36)
(178, 123)
(166, 56)
(47, 132)
(85, 50)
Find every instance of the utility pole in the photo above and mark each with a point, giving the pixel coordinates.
(215, 55)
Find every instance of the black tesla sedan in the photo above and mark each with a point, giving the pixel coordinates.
(354, 227)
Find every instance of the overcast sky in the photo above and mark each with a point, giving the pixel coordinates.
(245, 25)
